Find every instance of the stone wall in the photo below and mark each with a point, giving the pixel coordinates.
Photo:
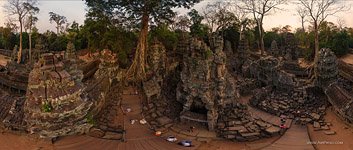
(327, 68)
(205, 83)
(58, 102)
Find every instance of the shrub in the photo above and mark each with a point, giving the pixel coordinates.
(46, 107)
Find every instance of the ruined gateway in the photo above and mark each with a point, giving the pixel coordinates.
(206, 87)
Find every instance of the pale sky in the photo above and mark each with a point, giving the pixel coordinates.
(75, 10)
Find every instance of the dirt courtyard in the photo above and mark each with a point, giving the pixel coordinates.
(342, 140)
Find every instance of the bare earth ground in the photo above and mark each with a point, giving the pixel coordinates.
(348, 59)
(342, 140)
(3, 60)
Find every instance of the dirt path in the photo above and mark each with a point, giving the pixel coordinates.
(296, 138)
(342, 140)
(348, 59)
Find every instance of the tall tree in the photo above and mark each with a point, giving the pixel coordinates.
(146, 11)
(100, 19)
(318, 11)
(218, 16)
(259, 9)
(58, 19)
(181, 22)
(197, 29)
(7, 33)
(20, 9)
(302, 12)
(241, 16)
(29, 24)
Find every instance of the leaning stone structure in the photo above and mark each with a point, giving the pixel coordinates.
(15, 76)
(58, 102)
(341, 101)
(274, 48)
(55, 103)
(289, 50)
(108, 66)
(243, 53)
(205, 85)
(326, 67)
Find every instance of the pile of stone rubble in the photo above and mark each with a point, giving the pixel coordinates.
(236, 124)
(305, 107)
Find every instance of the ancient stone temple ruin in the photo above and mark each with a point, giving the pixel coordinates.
(205, 87)
(108, 67)
(58, 102)
(289, 50)
(327, 70)
(243, 53)
(157, 58)
(274, 48)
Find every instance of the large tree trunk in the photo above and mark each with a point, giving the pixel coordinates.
(262, 43)
(19, 53)
(316, 53)
(261, 38)
(137, 70)
(30, 44)
(303, 25)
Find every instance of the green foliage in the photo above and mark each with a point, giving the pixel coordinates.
(197, 29)
(8, 38)
(232, 35)
(208, 53)
(46, 107)
(123, 59)
(167, 37)
(309, 54)
(270, 36)
(54, 42)
(340, 43)
(90, 119)
(58, 19)
(25, 40)
(158, 10)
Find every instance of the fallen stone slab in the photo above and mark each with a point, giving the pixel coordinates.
(273, 130)
(240, 138)
(330, 132)
(315, 116)
(316, 125)
(262, 124)
(325, 127)
(94, 132)
(248, 135)
(230, 136)
(112, 136)
(207, 134)
(236, 128)
(164, 120)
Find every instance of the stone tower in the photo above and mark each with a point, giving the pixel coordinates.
(326, 67)
(206, 86)
(274, 48)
